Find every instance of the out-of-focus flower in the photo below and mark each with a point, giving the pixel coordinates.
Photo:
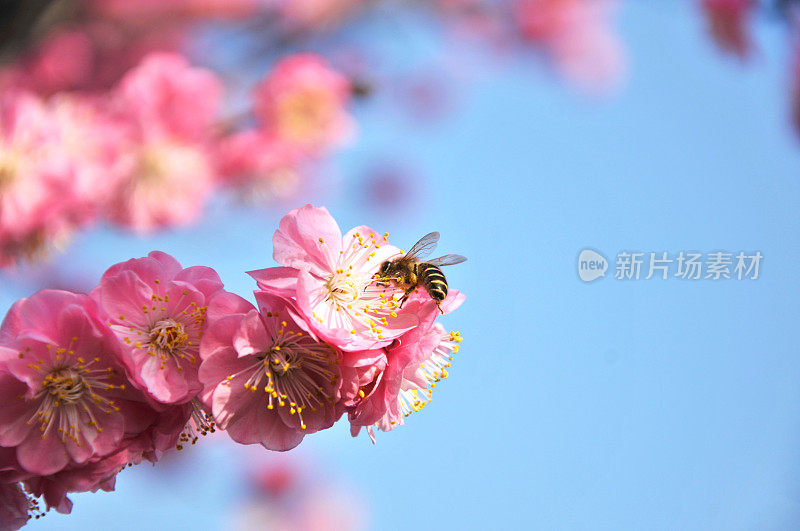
(728, 24)
(259, 167)
(301, 501)
(168, 108)
(303, 102)
(35, 178)
(577, 37)
(158, 311)
(267, 381)
(66, 399)
(315, 13)
(89, 140)
(64, 60)
(158, 9)
(332, 278)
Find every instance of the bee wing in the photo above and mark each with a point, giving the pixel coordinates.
(448, 259)
(424, 246)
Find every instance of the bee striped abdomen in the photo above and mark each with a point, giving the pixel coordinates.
(432, 278)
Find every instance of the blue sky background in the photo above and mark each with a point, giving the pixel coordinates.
(611, 405)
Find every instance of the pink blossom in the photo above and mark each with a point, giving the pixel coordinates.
(260, 167)
(332, 278)
(372, 402)
(419, 378)
(266, 380)
(158, 9)
(34, 177)
(91, 142)
(728, 24)
(65, 399)
(157, 309)
(576, 35)
(303, 102)
(168, 110)
(401, 375)
(14, 507)
(315, 13)
(62, 62)
(167, 96)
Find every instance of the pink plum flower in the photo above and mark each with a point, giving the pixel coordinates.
(65, 399)
(419, 378)
(302, 102)
(168, 109)
(404, 372)
(332, 278)
(157, 309)
(267, 381)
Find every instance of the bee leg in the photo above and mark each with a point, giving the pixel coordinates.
(439, 305)
(406, 295)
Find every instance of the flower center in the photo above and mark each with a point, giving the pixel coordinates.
(304, 114)
(341, 289)
(8, 170)
(168, 336)
(299, 373)
(65, 386)
(69, 400)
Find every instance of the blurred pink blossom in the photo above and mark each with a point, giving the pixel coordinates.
(315, 13)
(168, 109)
(35, 177)
(303, 102)
(260, 167)
(577, 37)
(287, 498)
(158, 9)
(728, 24)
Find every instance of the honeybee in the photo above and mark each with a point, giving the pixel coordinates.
(410, 271)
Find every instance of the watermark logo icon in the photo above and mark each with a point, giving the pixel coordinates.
(591, 265)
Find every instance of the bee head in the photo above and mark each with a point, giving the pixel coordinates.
(385, 268)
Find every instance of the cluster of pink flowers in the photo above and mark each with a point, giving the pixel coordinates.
(147, 153)
(157, 354)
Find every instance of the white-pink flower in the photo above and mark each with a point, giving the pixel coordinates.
(332, 279)
(158, 311)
